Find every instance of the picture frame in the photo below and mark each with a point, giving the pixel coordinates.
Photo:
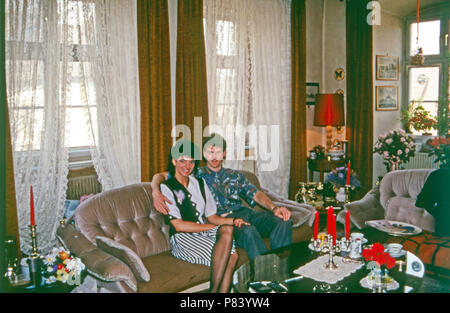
(312, 89)
(387, 67)
(386, 98)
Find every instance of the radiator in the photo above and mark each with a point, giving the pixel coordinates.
(82, 182)
(421, 160)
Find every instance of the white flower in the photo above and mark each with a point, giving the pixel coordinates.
(49, 269)
(388, 141)
(406, 150)
(399, 152)
(49, 259)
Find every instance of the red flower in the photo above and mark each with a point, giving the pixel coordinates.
(60, 266)
(377, 254)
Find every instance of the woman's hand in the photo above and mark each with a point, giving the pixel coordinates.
(159, 202)
(238, 222)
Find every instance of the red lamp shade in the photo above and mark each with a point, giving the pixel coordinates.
(329, 110)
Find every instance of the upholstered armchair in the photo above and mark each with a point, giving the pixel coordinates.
(394, 199)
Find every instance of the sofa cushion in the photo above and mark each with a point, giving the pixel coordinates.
(170, 274)
(126, 255)
(98, 263)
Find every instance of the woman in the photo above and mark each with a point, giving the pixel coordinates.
(197, 234)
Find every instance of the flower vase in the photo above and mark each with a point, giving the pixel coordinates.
(379, 279)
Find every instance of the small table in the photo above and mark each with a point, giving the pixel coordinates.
(322, 166)
(278, 265)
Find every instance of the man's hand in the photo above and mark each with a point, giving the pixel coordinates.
(282, 212)
(159, 202)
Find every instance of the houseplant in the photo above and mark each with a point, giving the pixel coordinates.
(421, 120)
(395, 147)
(441, 149)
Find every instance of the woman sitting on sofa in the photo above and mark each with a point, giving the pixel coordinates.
(197, 234)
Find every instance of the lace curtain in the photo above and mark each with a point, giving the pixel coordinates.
(249, 82)
(71, 73)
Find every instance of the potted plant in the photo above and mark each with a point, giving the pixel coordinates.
(441, 149)
(395, 147)
(421, 120)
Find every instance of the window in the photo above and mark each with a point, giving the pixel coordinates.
(32, 68)
(428, 84)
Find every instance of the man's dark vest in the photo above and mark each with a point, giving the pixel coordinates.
(187, 207)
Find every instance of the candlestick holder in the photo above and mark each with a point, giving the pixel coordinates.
(34, 260)
(347, 194)
(327, 246)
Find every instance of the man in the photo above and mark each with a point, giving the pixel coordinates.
(227, 187)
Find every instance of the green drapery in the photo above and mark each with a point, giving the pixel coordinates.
(359, 128)
(298, 121)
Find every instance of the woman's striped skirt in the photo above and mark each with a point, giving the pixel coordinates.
(195, 247)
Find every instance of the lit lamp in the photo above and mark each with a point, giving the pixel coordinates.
(329, 112)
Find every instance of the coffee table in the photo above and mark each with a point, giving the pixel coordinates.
(278, 265)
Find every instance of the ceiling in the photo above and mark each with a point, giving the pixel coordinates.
(405, 7)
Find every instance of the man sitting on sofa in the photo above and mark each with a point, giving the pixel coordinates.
(227, 187)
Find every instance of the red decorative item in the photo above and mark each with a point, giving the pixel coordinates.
(377, 254)
(32, 222)
(347, 225)
(334, 229)
(347, 183)
(316, 225)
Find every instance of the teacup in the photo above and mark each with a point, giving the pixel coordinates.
(354, 236)
(394, 248)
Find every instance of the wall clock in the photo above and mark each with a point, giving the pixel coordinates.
(339, 74)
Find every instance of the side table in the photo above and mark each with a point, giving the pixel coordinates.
(322, 166)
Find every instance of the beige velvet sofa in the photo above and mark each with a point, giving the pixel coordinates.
(394, 199)
(124, 242)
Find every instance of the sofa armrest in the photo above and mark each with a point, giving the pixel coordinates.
(98, 263)
(366, 209)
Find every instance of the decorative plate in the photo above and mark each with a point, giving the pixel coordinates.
(394, 228)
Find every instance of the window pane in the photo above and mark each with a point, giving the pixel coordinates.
(78, 126)
(424, 84)
(225, 95)
(429, 33)
(226, 44)
(29, 126)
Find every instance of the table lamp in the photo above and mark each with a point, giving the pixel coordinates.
(329, 112)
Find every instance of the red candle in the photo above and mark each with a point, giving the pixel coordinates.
(348, 174)
(347, 224)
(334, 229)
(316, 225)
(31, 207)
(329, 219)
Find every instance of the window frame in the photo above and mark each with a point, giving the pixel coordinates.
(435, 12)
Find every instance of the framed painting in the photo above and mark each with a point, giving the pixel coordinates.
(386, 98)
(312, 89)
(387, 67)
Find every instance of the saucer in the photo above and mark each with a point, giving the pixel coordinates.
(396, 255)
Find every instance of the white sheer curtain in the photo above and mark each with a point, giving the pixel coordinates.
(249, 82)
(71, 77)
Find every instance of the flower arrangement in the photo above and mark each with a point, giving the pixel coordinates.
(421, 120)
(377, 257)
(441, 149)
(338, 177)
(320, 151)
(395, 147)
(62, 267)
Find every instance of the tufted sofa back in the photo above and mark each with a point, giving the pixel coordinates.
(398, 194)
(127, 216)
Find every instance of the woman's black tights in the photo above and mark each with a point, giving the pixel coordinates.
(223, 263)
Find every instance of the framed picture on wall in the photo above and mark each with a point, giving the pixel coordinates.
(312, 89)
(386, 98)
(387, 67)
